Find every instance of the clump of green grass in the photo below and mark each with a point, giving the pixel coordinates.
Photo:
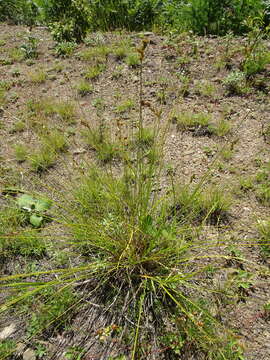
(264, 230)
(7, 348)
(122, 49)
(65, 49)
(125, 106)
(205, 88)
(137, 251)
(46, 108)
(132, 60)
(209, 205)
(222, 127)
(42, 160)
(235, 83)
(84, 88)
(145, 139)
(99, 140)
(189, 121)
(15, 238)
(93, 72)
(38, 77)
(55, 141)
(20, 152)
(18, 127)
(96, 54)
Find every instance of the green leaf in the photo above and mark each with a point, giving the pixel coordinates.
(43, 205)
(36, 220)
(26, 202)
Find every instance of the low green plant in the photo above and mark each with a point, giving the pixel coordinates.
(189, 121)
(222, 127)
(84, 88)
(97, 54)
(15, 238)
(93, 72)
(18, 127)
(7, 348)
(29, 48)
(65, 49)
(20, 152)
(42, 159)
(99, 140)
(226, 153)
(235, 83)
(205, 88)
(256, 53)
(264, 231)
(122, 50)
(38, 77)
(125, 106)
(34, 209)
(55, 141)
(132, 60)
(57, 305)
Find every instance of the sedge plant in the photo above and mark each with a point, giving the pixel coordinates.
(136, 263)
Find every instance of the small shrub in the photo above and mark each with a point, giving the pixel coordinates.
(29, 48)
(68, 20)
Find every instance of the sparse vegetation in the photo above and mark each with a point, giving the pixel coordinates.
(134, 180)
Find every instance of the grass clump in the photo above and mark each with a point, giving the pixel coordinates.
(189, 121)
(132, 60)
(209, 205)
(235, 83)
(42, 160)
(65, 49)
(20, 152)
(100, 141)
(97, 55)
(55, 141)
(125, 106)
(264, 231)
(93, 72)
(45, 109)
(38, 77)
(84, 88)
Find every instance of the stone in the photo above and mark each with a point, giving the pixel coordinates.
(7, 331)
(29, 354)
